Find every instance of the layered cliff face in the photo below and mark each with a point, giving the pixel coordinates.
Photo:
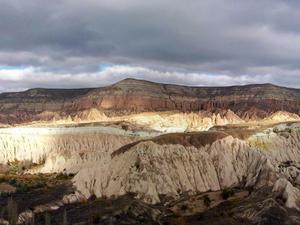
(198, 162)
(18, 107)
(251, 102)
(246, 101)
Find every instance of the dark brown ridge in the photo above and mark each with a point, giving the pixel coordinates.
(198, 139)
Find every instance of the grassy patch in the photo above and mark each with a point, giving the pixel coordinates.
(17, 167)
(27, 182)
(259, 144)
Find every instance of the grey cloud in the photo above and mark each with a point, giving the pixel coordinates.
(236, 38)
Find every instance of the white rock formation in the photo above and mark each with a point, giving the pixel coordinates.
(289, 193)
(281, 116)
(91, 115)
(181, 122)
(280, 144)
(151, 170)
(61, 149)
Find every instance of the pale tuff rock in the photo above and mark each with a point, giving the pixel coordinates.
(260, 211)
(73, 198)
(288, 192)
(181, 122)
(237, 164)
(281, 116)
(85, 116)
(280, 144)
(27, 216)
(297, 180)
(4, 222)
(61, 149)
(151, 170)
(90, 115)
(158, 167)
(291, 173)
(75, 152)
(200, 121)
(167, 122)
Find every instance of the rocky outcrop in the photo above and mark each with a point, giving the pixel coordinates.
(169, 166)
(289, 193)
(151, 170)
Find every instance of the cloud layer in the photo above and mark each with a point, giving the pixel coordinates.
(215, 42)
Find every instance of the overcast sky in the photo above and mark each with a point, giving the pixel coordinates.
(83, 43)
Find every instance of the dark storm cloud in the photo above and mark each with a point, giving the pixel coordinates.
(239, 39)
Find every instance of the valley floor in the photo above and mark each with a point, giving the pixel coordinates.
(124, 173)
(261, 206)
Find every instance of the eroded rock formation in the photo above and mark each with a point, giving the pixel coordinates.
(61, 149)
(166, 167)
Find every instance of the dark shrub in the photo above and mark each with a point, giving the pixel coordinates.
(227, 193)
(206, 200)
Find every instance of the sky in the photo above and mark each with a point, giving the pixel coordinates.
(92, 43)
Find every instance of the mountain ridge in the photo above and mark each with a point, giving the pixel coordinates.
(145, 81)
(134, 96)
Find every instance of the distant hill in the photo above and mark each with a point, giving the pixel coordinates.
(133, 96)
